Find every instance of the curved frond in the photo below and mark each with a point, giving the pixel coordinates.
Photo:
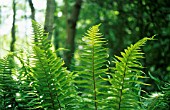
(8, 86)
(51, 80)
(125, 84)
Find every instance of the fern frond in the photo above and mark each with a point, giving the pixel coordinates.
(93, 59)
(125, 81)
(52, 81)
(8, 86)
(27, 96)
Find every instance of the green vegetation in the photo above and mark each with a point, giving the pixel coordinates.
(60, 67)
(39, 80)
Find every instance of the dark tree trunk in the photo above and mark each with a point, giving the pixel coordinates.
(32, 9)
(56, 33)
(71, 31)
(32, 13)
(49, 17)
(12, 47)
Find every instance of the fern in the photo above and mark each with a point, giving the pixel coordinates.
(8, 86)
(26, 96)
(93, 59)
(44, 84)
(159, 100)
(51, 80)
(125, 79)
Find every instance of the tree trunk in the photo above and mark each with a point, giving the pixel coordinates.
(71, 31)
(32, 13)
(49, 17)
(32, 10)
(56, 33)
(12, 47)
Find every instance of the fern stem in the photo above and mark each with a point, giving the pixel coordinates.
(121, 91)
(94, 81)
(46, 79)
(58, 102)
(51, 96)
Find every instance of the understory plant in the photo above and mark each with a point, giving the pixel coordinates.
(40, 80)
(159, 100)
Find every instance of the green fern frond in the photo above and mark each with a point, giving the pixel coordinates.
(26, 96)
(52, 81)
(93, 59)
(8, 86)
(124, 82)
(159, 100)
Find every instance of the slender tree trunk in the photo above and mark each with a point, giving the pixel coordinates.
(49, 17)
(71, 31)
(56, 33)
(32, 9)
(32, 13)
(12, 47)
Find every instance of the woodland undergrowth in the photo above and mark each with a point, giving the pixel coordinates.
(39, 80)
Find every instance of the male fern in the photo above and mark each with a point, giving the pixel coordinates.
(8, 87)
(93, 60)
(52, 81)
(125, 79)
(44, 84)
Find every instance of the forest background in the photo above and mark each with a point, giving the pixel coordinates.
(123, 22)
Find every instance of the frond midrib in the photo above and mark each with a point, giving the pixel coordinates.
(93, 71)
(122, 86)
